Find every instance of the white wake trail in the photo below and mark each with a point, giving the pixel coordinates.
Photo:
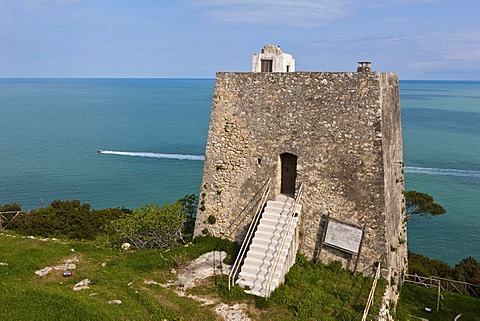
(442, 171)
(154, 155)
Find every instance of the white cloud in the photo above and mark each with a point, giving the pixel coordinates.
(301, 13)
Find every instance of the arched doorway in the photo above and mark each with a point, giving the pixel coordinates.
(289, 174)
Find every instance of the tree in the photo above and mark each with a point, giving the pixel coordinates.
(468, 270)
(11, 207)
(190, 204)
(152, 226)
(422, 204)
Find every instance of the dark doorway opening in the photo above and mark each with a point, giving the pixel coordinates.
(289, 174)
(267, 65)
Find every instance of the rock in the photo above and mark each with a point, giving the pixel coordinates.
(44, 271)
(3, 264)
(115, 302)
(82, 285)
(126, 246)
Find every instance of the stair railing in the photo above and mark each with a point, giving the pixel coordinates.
(284, 238)
(249, 235)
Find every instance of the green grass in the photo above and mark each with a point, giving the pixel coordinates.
(414, 298)
(26, 296)
(310, 292)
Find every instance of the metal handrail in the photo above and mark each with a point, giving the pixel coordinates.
(248, 237)
(371, 294)
(284, 238)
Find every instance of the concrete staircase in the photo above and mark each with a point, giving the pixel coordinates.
(261, 257)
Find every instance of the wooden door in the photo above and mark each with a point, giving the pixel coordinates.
(289, 174)
(267, 65)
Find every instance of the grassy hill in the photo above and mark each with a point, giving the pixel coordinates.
(311, 291)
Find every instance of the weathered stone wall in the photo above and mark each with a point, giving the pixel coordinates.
(345, 130)
(396, 223)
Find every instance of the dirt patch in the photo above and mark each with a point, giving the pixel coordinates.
(198, 273)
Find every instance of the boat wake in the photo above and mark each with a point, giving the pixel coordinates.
(442, 171)
(154, 155)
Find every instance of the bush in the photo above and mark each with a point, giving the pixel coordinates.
(152, 226)
(11, 207)
(468, 270)
(69, 219)
(425, 266)
(189, 210)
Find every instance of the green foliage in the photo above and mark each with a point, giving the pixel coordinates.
(152, 226)
(69, 219)
(468, 270)
(312, 290)
(11, 207)
(189, 204)
(26, 296)
(425, 266)
(211, 219)
(422, 204)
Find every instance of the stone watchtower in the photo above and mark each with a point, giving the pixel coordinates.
(333, 137)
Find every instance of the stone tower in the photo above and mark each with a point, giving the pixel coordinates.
(338, 134)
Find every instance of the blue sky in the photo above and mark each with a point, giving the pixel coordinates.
(418, 39)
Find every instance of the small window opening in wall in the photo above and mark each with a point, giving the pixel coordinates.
(259, 161)
(267, 65)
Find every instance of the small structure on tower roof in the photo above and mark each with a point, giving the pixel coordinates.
(272, 59)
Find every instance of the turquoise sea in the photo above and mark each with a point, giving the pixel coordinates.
(152, 134)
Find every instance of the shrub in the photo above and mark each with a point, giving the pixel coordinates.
(11, 207)
(69, 219)
(152, 226)
(424, 266)
(468, 270)
(189, 210)
(211, 219)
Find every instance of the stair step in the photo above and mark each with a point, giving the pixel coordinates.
(274, 216)
(278, 205)
(271, 236)
(280, 220)
(259, 273)
(256, 292)
(257, 286)
(282, 197)
(271, 228)
(270, 225)
(262, 242)
(257, 279)
(261, 252)
(262, 262)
